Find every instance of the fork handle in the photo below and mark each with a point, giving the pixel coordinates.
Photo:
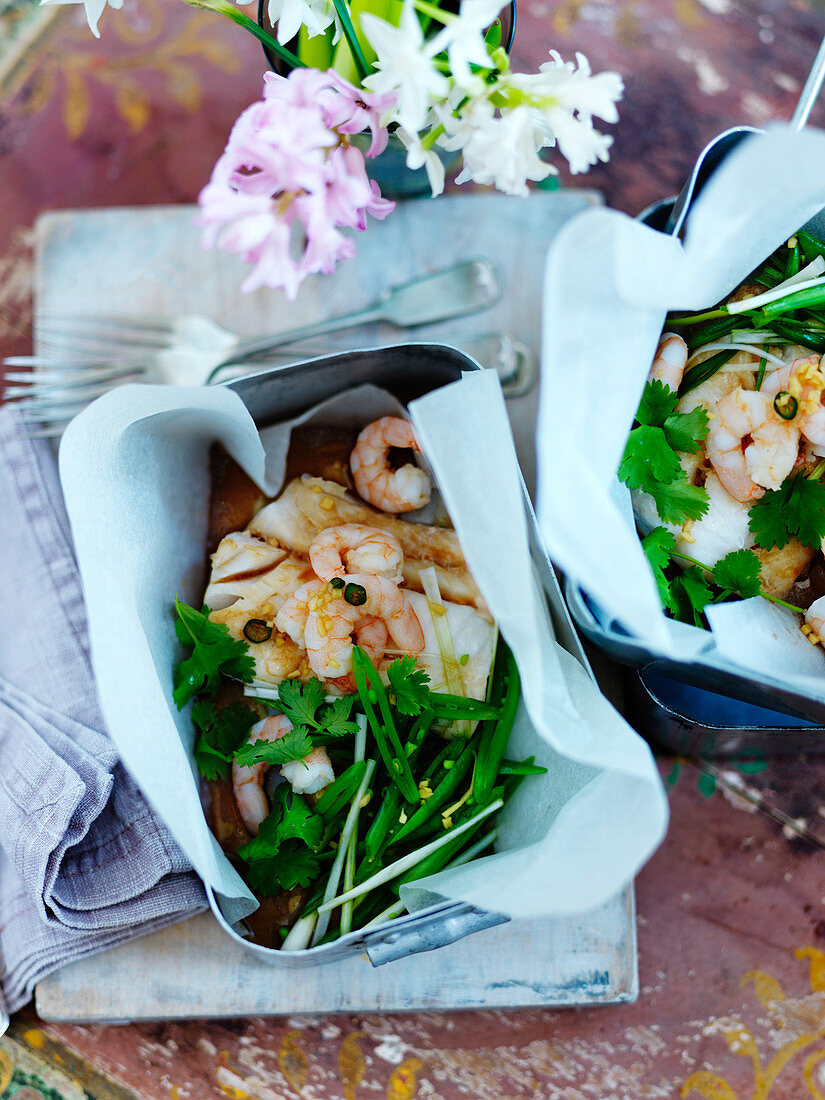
(247, 348)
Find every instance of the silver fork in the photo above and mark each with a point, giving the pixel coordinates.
(515, 363)
(98, 353)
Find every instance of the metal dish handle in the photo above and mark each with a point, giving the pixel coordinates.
(663, 723)
(426, 933)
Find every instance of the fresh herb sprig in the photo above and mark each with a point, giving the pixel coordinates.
(651, 457)
(686, 593)
(795, 510)
(215, 653)
(220, 735)
(284, 854)
(304, 703)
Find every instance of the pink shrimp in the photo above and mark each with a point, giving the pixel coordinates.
(749, 446)
(356, 548)
(389, 490)
(804, 380)
(305, 776)
(292, 614)
(331, 625)
(669, 361)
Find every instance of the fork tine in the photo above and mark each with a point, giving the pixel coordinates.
(45, 379)
(51, 322)
(55, 398)
(48, 361)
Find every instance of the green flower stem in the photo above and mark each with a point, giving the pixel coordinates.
(708, 569)
(237, 16)
(817, 471)
(352, 38)
(429, 140)
(434, 12)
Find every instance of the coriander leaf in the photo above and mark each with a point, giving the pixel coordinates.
(297, 866)
(678, 500)
(214, 652)
(294, 745)
(290, 819)
(298, 822)
(408, 685)
(692, 594)
(738, 572)
(294, 865)
(796, 508)
(658, 546)
(648, 459)
(685, 431)
(300, 700)
(211, 764)
(219, 735)
(656, 404)
(335, 718)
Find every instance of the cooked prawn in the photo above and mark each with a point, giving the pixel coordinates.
(292, 615)
(356, 548)
(390, 490)
(804, 380)
(333, 621)
(746, 468)
(670, 361)
(305, 776)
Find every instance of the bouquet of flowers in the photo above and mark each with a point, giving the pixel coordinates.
(291, 178)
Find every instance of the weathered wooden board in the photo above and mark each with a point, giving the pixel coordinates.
(149, 261)
(195, 970)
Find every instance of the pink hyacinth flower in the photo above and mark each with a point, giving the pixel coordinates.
(289, 181)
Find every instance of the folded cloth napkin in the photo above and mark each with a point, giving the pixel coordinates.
(85, 863)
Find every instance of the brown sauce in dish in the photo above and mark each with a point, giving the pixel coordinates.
(235, 499)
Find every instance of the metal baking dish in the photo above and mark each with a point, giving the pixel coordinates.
(673, 702)
(407, 371)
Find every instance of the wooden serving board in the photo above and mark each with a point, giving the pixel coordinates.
(148, 260)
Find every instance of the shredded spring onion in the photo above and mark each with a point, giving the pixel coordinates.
(406, 862)
(338, 865)
(754, 336)
(759, 300)
(300, 933)
(814, 268)
(728, 346)
(438, 612)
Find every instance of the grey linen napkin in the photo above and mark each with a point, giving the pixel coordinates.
(85, 863)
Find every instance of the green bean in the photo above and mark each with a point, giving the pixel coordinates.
(521, 767)
(792, 262)
(387, 813)
(457, 708)
(712, 331)
(341, 790)
(810, 246)
(386, 737)
(802, 299)
(441, 795)
(703, 371)
(495, 735)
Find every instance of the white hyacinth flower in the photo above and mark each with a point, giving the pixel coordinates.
(419, 157)
(290, 15)
(577, 139)
(573, 89)
(94, 10)
(463, 38)
(405, 66)
(497, 151)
